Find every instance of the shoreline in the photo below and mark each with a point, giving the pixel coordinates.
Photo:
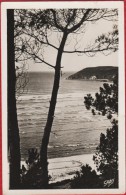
(64, 168)
(100, 80)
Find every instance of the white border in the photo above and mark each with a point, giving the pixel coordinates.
(42, 5)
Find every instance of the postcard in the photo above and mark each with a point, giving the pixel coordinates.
(63, 97)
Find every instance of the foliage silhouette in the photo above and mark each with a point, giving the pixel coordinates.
(106, 156)
(31, 173)
(86, 178)
(106, 101)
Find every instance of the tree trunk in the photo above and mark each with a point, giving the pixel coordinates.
(13, 130)
(47, 130)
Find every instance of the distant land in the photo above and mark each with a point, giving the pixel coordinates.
(103, 73)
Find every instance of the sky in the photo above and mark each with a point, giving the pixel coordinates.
(75, 62)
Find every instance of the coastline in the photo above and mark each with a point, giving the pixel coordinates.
(100, 80)
(64, 168)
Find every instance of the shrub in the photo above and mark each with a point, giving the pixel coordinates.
(86, 178)
(106, 156)
(31, 175)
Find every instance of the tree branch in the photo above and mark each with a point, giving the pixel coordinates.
(43, 61)
(91, 51)
(37, 57)
(79, 23)
(40, 41)
(55, 21)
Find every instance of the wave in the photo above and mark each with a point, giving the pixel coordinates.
(74, 145)
(75, 127)
(45, 96)
(54, 146)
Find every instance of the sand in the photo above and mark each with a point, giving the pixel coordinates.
(65, 167)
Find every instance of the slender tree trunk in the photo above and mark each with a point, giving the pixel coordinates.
(47, 130)
(13, 131)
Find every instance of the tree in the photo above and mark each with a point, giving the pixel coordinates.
(17, 80)
(36, 26)
(105, 102)
(13, 130)
(106, 156)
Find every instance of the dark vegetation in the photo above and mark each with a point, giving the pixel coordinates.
(106, 101)
(31, 172)
(106, 156)
(86, 178)
(101, 72)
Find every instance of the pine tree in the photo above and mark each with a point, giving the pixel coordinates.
(106, 103)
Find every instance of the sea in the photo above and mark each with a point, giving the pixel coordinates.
(75, 130)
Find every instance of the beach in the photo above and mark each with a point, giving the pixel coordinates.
(64, 168)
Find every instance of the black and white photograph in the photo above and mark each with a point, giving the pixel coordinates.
(63, 117)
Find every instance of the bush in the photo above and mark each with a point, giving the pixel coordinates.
(86, 178)
(106, 156)
(31, 175)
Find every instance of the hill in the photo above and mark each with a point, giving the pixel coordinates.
(96, 73)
